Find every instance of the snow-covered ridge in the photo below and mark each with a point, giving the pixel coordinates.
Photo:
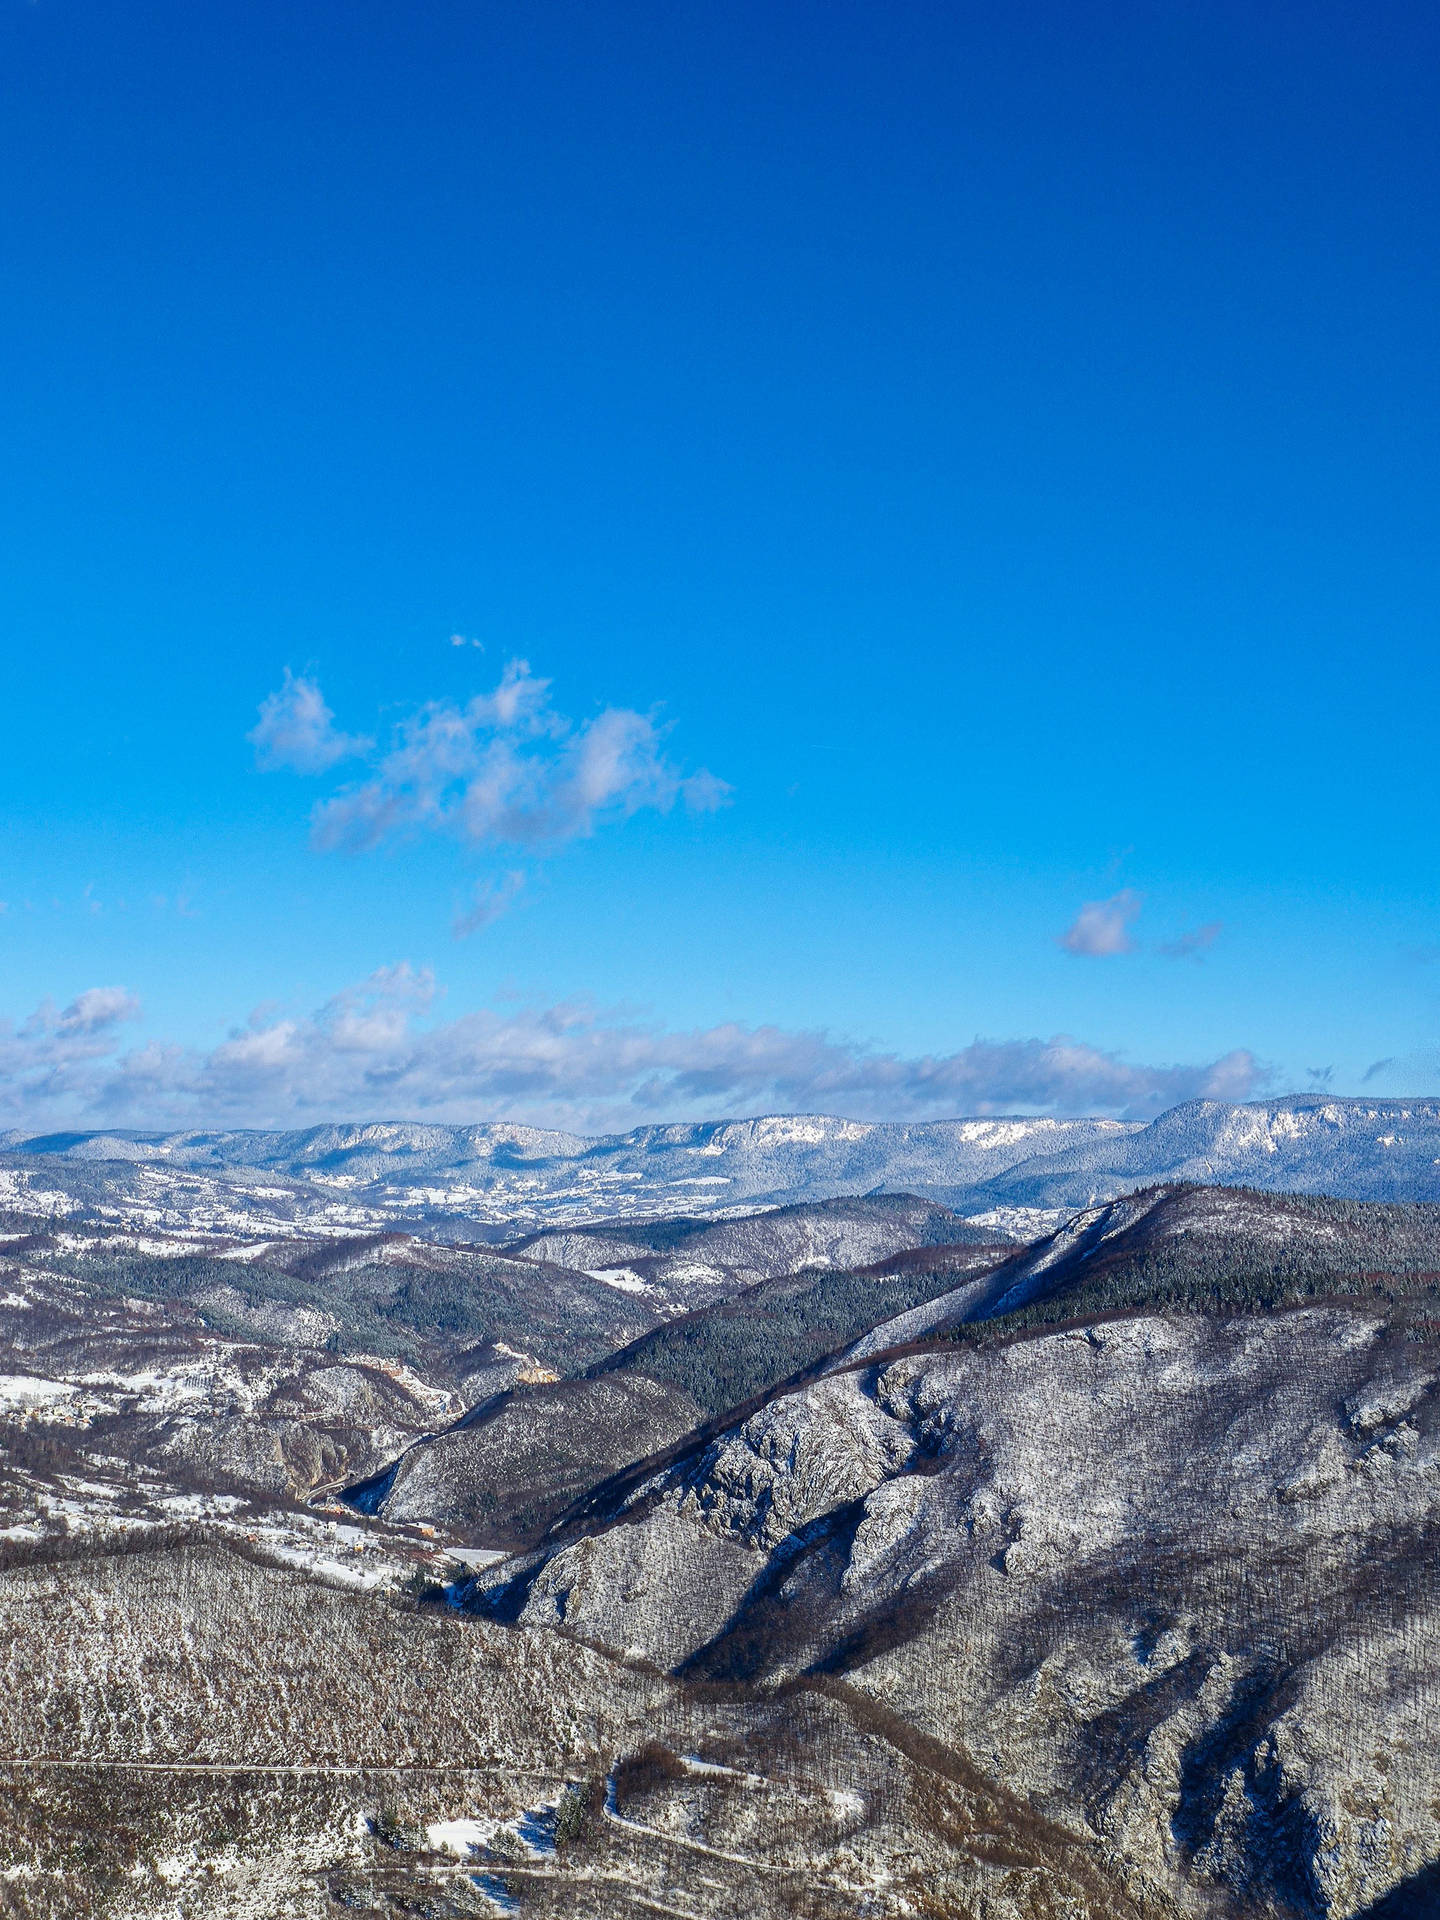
(505, 1177)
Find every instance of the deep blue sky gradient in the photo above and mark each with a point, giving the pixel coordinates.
(1002, 440)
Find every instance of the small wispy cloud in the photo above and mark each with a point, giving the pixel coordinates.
(1377, 1068)
(296, 730)
(488, 901)
(1194, 945)
(1101, 929)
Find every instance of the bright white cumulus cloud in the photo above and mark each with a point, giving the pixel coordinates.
(505, 768)
(380, 1049)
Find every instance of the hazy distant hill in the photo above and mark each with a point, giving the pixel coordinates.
(1358, 1149)
(510, 1178)
(500, 1179)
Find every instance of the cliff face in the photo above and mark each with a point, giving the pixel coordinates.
(1173, 1579)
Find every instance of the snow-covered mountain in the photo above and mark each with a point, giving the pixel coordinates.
(510, 1178)
(506, 1179)
(1095, 1576)
(1356, 1149)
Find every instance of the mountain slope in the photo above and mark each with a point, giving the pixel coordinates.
(1173, 1578)
(1144, 1514)
(698, 1259)
(504, 1475)
(506, 1472)
(187, 1731)
(1096, 1577)
(1199, 1249)
(281, 1368)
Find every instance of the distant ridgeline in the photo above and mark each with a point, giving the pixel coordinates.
(495, 1180)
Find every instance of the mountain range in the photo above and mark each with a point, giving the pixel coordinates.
(495, 1180)
(387, 1527)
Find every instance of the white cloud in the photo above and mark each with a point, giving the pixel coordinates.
(95, 1011)
(98, 1008)
(506, 769)
(1102, 927)
(297, 731)
(60, 1059)
(375, 1050)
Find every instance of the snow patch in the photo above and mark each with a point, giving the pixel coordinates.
(1020, 1223)
(624, 1278)
(457, 1836)
(25, 1390)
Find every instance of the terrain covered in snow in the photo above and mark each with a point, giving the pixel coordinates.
(496, 1180)
(1004, 1556)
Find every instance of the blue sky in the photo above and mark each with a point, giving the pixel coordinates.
(996, 446)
